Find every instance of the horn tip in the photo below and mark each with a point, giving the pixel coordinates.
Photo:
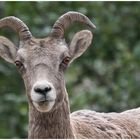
(93, 26)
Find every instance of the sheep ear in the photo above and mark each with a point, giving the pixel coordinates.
(80, 43)
(7, 50)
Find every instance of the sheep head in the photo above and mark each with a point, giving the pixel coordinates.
(42, 62)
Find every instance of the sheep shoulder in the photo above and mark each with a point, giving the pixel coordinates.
(91, 124)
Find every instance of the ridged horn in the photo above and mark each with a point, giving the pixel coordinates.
(16, 24)
(67, 19)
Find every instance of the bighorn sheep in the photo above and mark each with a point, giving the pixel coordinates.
(42, 63)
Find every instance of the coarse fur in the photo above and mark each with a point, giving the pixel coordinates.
(42, 63)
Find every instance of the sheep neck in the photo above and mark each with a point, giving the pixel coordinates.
(55, 124)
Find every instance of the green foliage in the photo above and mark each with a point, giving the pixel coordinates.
(106, 78)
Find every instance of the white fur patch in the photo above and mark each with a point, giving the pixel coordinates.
(43, 104)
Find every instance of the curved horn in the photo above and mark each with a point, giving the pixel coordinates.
(65, 20)
(18, 25)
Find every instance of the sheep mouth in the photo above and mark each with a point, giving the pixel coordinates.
(44, 105)
(41, 103)
(44, 102)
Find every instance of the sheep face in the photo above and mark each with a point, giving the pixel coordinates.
(42, 63)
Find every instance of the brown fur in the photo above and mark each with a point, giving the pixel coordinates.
(55, 124)
(90, 124)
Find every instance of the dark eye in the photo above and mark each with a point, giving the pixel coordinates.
(18, 64)
(66, 60)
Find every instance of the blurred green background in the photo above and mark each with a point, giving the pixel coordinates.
(105, 78)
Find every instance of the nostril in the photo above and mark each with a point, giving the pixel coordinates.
(42, 90)
(47, 89)
(38, 90)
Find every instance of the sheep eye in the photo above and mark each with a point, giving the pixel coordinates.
(66, 60)
(18, 64)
